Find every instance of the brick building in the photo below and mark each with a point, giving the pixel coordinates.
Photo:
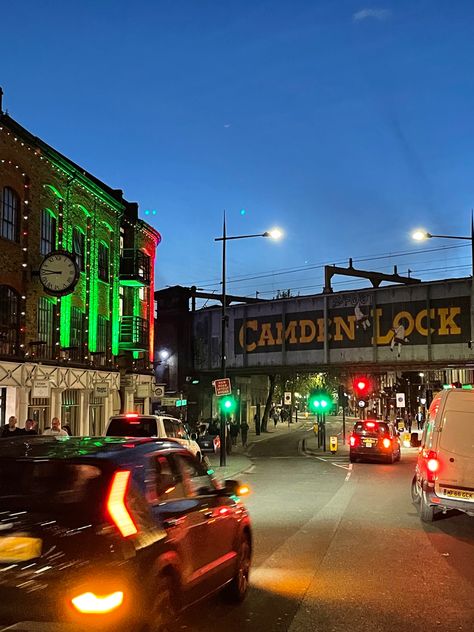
(88, 354)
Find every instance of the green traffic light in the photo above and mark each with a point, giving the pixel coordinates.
(318, 401)
(227, 404)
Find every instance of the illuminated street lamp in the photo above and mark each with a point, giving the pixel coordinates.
(421, 235)
(274, 233)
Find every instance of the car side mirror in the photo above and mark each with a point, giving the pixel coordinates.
(193, 436)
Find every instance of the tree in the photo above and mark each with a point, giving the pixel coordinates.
(268, 403)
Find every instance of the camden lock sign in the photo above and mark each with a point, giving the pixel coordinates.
(445, 320)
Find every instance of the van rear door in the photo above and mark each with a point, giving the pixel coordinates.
(456, 447)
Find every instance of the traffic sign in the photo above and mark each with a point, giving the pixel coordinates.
(222, 386)
(169, 401)
(400, 400)
(287, 398)
(159, 390)
(181, 402)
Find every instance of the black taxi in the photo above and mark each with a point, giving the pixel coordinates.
(374, 440)
(115, 533)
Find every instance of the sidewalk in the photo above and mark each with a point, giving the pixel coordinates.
(239, 460)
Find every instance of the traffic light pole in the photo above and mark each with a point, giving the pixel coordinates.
(223, 428)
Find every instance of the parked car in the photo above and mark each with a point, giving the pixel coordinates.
(115, 534)
(138, 425)
(207, 440)
(444, 473)
(374, 440)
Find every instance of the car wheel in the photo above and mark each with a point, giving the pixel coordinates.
(391, 458)
(415, 496)
(399, 455)
(236, 590)
(427, 512)
(161, 614)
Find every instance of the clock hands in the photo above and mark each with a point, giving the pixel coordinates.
(43, 271)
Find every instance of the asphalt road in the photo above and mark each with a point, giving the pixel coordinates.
(341, 549)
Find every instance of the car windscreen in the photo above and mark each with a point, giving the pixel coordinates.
(43, 483)
(371, 428)
(135, 427)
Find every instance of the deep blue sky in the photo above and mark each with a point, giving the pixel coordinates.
(347, 123)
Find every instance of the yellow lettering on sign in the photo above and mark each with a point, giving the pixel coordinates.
(248, 324)
(381, 339)
(420, 317)
(307, 331)
(397, 321)
(340, 325)
(266, 336)
(447, 324)
(290, 333)
(321, 332)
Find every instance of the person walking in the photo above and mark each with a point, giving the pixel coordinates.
(10, 430)
(234, 432)
(55, 429)
(244, 429)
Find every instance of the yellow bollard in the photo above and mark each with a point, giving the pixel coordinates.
(333, 444)
(315, 429)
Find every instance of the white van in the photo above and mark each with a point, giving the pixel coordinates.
(138, 425)
(444, 476)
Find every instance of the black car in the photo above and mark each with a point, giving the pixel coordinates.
(115, 533)
(374, 440)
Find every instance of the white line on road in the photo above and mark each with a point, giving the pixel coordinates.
(348, 473)
(250, 470)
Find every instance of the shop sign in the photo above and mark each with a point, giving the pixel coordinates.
(143, 390)
(101, 389)
(40, 389)
(169, 401)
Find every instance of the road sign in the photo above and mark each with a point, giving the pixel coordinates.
(400, 400)
(361, 403)
(169, 401)
(287, 398)
(159, 390)
(181, 402)
(222, 386)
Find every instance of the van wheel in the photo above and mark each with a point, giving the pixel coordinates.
(236, 590)
(427, 512)
(415, 496)
(162, 612)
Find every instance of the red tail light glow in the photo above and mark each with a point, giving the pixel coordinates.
(116, 504)
(386, 443)
(433, 465)
(370, 424)
(131, 415)
(352, 440)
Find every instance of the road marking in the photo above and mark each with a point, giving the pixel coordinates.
(348, 473)
(250, 470)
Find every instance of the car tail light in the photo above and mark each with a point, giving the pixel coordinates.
(116, 504)
(352, 441)
(386, 443)
(90, 603)
(243, 490)
(370, 424)
(131, 415)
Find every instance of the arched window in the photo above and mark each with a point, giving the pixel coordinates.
(10, 214)
(9, 319)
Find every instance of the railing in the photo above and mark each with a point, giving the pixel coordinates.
(134, 267)
(134, 334)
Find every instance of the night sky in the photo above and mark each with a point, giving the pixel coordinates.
(345, 123)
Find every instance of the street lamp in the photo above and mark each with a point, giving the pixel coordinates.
(274, 233)
(421, 235)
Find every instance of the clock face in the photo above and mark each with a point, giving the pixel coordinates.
(58, 273)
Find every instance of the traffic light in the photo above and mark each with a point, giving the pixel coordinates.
(320, 402)
(227, 404)
(361, 386)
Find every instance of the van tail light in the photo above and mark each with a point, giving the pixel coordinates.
(432, 464)
(352, 441)
(386, 443)
(116, 506)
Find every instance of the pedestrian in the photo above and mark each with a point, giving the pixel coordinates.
(55, 429)
(234, 432)
(30, 427)
(275, 417)
(10, 430)
(244, 429)
(67, 428)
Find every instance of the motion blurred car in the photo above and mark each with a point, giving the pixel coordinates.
(115, 534)
(138, 425)
(444, 474)
(374, 440)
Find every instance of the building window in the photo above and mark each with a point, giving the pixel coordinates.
(9, 320)
(77, 332)
(45, 320)
(103, 258)
(9, 219)
(78, 243)
(48, 232)
(102, 333)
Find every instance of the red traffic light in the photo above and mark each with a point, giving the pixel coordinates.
(361, 386)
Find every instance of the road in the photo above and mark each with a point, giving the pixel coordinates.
(341, 549)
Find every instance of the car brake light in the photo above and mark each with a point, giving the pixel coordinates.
(386, 443)
(352, 440)
(89, 603)
(116, 504)
(131, 415)
(370, 424)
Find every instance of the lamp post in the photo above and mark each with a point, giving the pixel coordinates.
(275, 233)
(421, 235)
